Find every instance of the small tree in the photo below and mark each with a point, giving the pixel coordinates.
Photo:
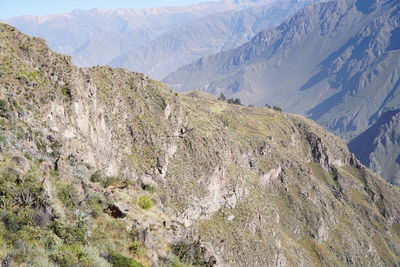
(221, 97)
(277, 108)
(267, 106)
(237, 101)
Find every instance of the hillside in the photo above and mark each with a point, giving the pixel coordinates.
(104, 167)
(335, 62)
(357, 51)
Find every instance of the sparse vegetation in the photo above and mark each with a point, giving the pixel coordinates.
(221, 97)
(247, 178)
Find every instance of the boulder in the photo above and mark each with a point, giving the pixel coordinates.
(118, 209)
(21, 162)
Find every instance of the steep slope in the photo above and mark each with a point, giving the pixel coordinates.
(336, 62)
(99, 166)
(204, 36)
(97, 36)
(379, 146)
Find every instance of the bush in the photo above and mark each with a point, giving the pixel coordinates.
(235, 101)
(148, 188)
(118, 260)
(221, 97)
(96, 177)
(107, 181)
(68, 233)
(68, 196)
(189, 253)
(277, 108)
(13, 222)
(145, 202)
(3, 108)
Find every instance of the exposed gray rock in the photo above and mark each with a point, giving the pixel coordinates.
(21, 162)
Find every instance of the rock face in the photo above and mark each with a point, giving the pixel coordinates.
(226, 185)
(335, 62)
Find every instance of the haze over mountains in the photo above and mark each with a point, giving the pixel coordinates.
(335, 62)
(136, 38)
(204, 36)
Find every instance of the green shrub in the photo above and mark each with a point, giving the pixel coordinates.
(68, 196)
(107, 181)
(13, 222)
(135, 248)
(3, 108)
(188, 253)
(70, 234)
(28, 156)
(148, 188)
(67, 92)
(96, 177)
(145, 202)
(118, 260)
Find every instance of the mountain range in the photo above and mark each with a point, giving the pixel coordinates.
(106, 167)
(204, 36)
(335, 62)
(97, 37)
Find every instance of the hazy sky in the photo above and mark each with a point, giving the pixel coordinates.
(12, 8)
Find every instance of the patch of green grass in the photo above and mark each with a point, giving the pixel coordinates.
(145, 202)
(119, 260)
(107, 181)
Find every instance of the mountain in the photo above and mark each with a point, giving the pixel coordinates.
(335, 62)
(379, 146)
(318, 63)
(97, 36)
(104, 167)
(204, 36)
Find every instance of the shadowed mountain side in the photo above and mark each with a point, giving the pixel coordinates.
(379, 146)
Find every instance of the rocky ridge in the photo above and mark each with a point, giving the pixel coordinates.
(335, 62)
(101, 166)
